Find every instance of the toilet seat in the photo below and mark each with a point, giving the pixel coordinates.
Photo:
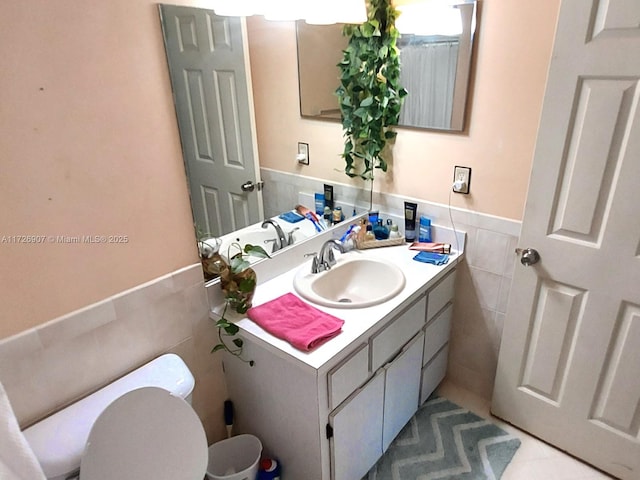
(146, 433)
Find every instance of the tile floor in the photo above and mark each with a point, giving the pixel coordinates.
(534, 459)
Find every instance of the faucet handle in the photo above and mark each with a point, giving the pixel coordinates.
(331, 258)
(290, 239)
(315, 263)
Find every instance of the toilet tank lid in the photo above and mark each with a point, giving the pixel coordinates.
(58, 441)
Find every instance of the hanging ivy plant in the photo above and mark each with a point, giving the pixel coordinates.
(370, 94)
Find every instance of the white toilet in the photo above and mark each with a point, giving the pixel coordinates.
(140, 426)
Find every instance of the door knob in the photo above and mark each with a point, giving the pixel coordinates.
(528, 256)
(249, 186)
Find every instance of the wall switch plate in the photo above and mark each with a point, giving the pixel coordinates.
(303, 153)
(461, 179)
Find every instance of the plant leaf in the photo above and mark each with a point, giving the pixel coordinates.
(247, 285)
(239, 264)
(231, 329)
(256, 251)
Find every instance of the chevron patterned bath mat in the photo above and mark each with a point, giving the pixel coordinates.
(445, 441)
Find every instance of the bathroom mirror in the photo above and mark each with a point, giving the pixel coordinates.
(435, 66)
(213, 122)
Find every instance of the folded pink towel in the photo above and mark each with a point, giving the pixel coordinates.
(289, 318)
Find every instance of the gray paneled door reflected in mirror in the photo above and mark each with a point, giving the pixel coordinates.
(209, 76)
(435, 69)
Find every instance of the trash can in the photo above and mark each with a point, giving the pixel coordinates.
(236, 458)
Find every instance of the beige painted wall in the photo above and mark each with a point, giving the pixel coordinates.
(89, 146)
(513, 53)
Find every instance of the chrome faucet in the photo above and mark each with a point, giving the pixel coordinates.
(325, 259)
(282, 239)
(290, 238)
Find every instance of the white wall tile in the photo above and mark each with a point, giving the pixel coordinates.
(490, 251)
(487, 286)
(187, 277)
(503, 297)
(76, 323)
(511, 258)
(24, 343)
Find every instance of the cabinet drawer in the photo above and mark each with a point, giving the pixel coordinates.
(346, 377)
(437, 334)
(433, 374)
(440, 295)
(393, 337)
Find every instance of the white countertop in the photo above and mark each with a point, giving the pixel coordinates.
(357, 321)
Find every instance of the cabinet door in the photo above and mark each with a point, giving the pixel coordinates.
(402, 389)
(357, 431)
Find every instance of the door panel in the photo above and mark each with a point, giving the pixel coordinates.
(616, 400)
(555, 316)
(568, 365)
(591, 162)
(208, 64)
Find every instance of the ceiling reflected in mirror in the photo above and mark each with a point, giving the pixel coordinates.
(317, 13)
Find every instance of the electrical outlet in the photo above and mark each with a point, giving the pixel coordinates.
(461, 179)
(303, 153)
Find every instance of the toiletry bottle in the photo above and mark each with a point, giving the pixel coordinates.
(328, 196)
(410, 209)
(380, 231)
(424, 231)
(369, 236)
(362, 231)
(269, 470)
(338, 216)
(394, 233)
(319, 203)
(327, 215)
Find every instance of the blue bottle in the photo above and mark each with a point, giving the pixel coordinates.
(380, 231)
(424, 232)
(269, 469)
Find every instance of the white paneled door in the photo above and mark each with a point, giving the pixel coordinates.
(569, 365)
(210, 76)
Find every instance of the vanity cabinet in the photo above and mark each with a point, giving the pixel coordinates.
(372, 417)
(334, 422)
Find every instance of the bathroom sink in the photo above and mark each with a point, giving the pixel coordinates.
(351, 283)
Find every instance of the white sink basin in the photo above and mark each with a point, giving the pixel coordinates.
(351, 283)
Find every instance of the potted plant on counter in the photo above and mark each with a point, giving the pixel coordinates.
(238, 282)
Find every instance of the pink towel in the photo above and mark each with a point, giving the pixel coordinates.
(289, 318)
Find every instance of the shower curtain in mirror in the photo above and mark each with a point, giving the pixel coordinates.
(428, 72)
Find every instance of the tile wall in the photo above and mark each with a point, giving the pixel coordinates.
(483, 279)
(55, 364)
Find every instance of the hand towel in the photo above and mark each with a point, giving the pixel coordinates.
(433, 258)
(289, 318)
(17, 460)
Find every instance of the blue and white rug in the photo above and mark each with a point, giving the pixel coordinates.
(445, 441)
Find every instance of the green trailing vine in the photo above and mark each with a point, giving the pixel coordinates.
(238, 282)
(370, 94)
